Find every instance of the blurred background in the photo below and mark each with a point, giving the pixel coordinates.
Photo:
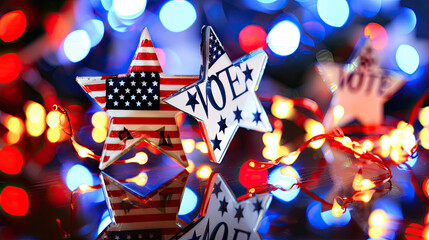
(46, 44)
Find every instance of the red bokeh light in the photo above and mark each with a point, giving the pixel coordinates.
(10, 67)
(252, 37)
(250, 177)
(14, 200)
(377, 34)
(12, 25)
(11, 160)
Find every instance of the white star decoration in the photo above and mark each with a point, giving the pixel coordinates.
(225, 218)
(224, 98)
(360, 87)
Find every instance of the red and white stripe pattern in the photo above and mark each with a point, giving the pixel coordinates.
(143, 125)
(158, 210)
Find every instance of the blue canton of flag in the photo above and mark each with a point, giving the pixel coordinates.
(137, 91)
(215, 49)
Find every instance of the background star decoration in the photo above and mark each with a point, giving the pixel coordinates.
(360, 87)
(135, 103)
(138, 217)
(225, 218)
(224, 98)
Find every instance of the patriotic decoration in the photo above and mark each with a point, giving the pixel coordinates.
(222, 217)
(224, 98)
(136, 217)
(360, 87)
(135, 102)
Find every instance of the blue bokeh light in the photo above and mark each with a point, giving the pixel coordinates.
(189, 202)
(129, 9)
(284, 38)
(177, 16)
(314, 216)
(406, 20)
(78, 175)
(77, 45)
(95, 30)
(407, 58)
(366, 8)
(276, 178)
(105, 221)
(340, 221)
(333, 12)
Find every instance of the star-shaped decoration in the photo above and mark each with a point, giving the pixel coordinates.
(217, 189)
(258, 206)
(222, 124)
(360, 87)
(257, 117)
(146, 82)
(224, 215)
(153, 216)
(195, 237)
(224, 90)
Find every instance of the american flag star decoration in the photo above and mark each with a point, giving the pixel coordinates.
(224, 98)
(135, 103)
(134, 216)
(360, 87)
(222, 217)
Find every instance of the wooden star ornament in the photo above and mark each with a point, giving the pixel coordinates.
(135, 102)
(224, 98)
(360, 87)
(222, 217)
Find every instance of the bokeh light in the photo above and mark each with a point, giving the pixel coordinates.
(10, 67)
(204, 172)
(315, 29)
(14, 201)
(12, 25)
(95, 30)
(53, 134)
(78, 175)
(377, 34)
(189, 202)
(77, 45)
(425, 187)
(250, 177)
(407, 58)
(188, 145)
(332, 220)
(424, 116)
(202, 146)
(283, 39)
(129, 9)
(105, 221)
(281, 107)
(100, 119)
(35, 112)
(366, 8)
(11, 160)
(406, 20)
(14, 124)
(333, 12)
(252, 37)
(278, 179)
(177, 16)
(53, 119)
(140, 179)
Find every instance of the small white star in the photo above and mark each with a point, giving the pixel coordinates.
(144, 97)
(121, 97)
(143, 74)
(149, 103)
(115, 103)
(214, 56)
(144, 83)
(132, 74)
(133, 97)
(219, 52)
(153, 75)
(155, 97)
(133, 83)
(214, 49)
(122, 82)
(110, 82)
(127, 90)
(211, 36)
(155, 83)
(116, 90)
(127, 103)
(117, 237)
(138, 103)
(110, 96)
(149, 90)
(139, 90)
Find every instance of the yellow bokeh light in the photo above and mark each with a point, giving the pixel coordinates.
(289, 171)
(376, 232)
(53, 119)
(427, 218)
(12, 138)
(290, 158)
(408, 141)
(34, 112)
(378, 218)
(202, 147)
(13, 124)
(384, 142)
(282, 107)
(272, 139)
(270, 153)
(188, 145)
(364, 196)
(99, 119)
(424, 116)
(394, 155)
(338, 112)
(140, 179)
(191, 166)
(140, 158)
(204, 172)
(53, 134)
(368, 145)
(425, 233)
(424, 138)
(396, 138)
(35, 129)
(99, 134)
